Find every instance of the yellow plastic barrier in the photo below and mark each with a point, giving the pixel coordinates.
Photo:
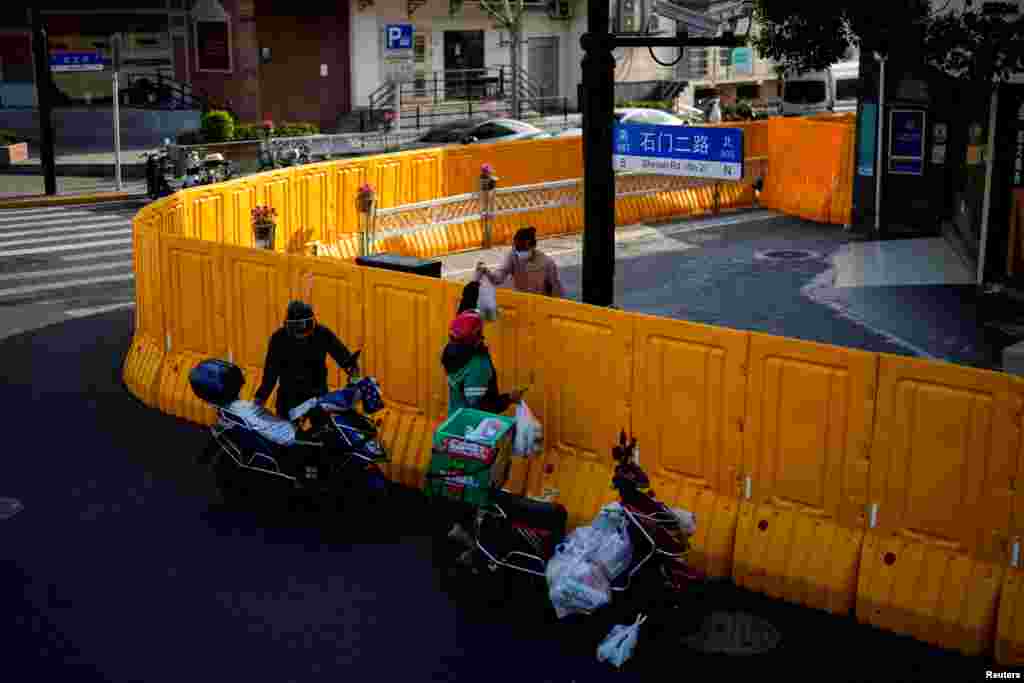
(879, 484)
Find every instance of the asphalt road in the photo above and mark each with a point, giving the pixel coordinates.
(124, 567)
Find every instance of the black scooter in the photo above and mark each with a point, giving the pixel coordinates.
(254, 454)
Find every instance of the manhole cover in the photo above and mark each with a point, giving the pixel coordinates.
(734, 633)
(10, 507)
(787, 255)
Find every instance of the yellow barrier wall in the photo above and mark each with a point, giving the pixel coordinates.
(878, 485)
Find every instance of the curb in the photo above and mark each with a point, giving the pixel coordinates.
(33, 201)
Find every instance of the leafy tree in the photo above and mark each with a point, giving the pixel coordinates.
(972, 42)
(507, 16)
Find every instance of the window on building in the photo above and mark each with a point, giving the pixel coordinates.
(724, 56)
(847, 88)
(697, 59)
(748, 92)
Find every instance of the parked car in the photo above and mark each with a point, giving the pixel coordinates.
(653, 117)
(471, 131)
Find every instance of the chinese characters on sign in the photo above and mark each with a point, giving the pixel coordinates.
(679, 150)
(76, 61)
(906, 142)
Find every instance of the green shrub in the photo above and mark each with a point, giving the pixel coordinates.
(664, 105)
(190, 137)
(249, 131)
(218, 126)
(294, 130)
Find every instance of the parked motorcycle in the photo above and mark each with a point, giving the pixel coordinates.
(253, 453)
(517, 535)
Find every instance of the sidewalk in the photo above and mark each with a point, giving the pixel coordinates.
(25, 191)
(724, 272)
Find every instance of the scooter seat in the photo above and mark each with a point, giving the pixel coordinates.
(269, 426)
(537, 514)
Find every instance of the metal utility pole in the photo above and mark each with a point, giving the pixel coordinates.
(115, 42)
(44, 90)
(598, 108)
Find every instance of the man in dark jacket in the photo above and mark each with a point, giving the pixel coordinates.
(297, 357)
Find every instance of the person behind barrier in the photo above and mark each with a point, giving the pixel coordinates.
(297, 358)
(470, 298)
(472, 379)
(532, 270)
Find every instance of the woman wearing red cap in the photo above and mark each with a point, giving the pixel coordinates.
(472, 379)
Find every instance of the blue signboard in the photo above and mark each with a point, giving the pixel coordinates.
(77, 61)
(867, 125)
(679, 150)
(906, 141)
(399, 36)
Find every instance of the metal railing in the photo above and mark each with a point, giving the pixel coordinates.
(409, 219)
(156, 91)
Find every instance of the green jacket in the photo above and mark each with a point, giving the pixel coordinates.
(472, 382)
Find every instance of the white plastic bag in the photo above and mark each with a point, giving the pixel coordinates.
(687, 519)
(487, 301)
(612, 549)
(529, 432)
(618, 646)
(574, 584)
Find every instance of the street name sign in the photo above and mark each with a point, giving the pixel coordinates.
(715, 153)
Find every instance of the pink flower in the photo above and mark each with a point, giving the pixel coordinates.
(486, 169)
(366, 188)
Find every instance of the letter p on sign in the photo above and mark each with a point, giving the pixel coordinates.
(394, 36)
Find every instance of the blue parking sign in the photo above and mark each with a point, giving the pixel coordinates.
(399, 36)
(679, 150)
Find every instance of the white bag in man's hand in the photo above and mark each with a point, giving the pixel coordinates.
(529, 432)
(488, 300)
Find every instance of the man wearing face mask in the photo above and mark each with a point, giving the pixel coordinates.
(297, 357)
(532, 270)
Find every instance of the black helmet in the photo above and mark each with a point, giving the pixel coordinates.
(299, 321)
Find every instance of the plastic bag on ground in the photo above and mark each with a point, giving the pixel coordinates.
(487, 300)
(528, 432)
(618, 646)
(574, 584)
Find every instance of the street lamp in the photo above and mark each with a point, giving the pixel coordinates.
(598, 105)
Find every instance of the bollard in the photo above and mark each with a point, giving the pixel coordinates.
(488, 183)
(365, 202)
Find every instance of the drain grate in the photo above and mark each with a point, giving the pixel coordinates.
(10, 507)
(734, 634)
(787, 255)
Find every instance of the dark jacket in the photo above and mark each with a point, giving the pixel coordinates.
(470, 370)
(300, 366)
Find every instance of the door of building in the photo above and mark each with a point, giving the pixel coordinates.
(542, 65)
(463, 63)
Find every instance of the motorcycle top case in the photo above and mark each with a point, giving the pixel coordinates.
(216, 381)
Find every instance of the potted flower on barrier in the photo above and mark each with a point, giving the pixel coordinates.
(264, 226)
(488, 181)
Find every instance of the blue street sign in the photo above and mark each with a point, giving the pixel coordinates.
(77, 61)
(679, 150)
(399, 36)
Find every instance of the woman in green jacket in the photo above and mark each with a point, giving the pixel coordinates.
(472, 379)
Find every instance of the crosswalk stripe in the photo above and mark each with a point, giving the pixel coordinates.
(73, 209)
(49, 229)
(28, 275)
(97, 254)
(64, 247)
(86, 312)
(67, 284)
(63, 238)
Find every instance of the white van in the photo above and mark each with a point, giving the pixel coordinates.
(815, 92)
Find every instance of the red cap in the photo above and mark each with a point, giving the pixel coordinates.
(467, 328)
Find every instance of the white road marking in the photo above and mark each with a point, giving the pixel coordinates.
(98, 254)
(86, 312)
(64, 247)
(67, 284)
(65, 238)
(28, 275)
